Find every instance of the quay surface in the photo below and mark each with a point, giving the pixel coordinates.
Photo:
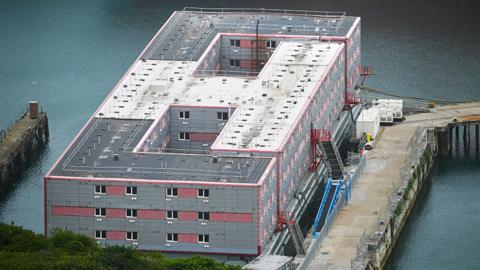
(371, 198)
(19, 143)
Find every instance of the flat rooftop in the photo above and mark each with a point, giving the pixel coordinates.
(187, 33)
(91, 155)
(266, 105)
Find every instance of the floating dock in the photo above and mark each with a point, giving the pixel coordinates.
(21, 141)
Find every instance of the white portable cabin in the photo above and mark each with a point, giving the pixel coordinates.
(368, 122)
(390, 109)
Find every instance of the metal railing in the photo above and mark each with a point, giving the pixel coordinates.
(285, 12)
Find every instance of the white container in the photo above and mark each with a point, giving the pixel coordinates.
(368, 122)
(389, 108)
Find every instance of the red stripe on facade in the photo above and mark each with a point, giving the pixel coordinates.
(245, 43)
(202, 137)
(187, 215)
(116, 190)
(187, 238)
(151, 214)
(187, 193)
(232, 217)
(115, 235)
(115, 213)
(72, 211)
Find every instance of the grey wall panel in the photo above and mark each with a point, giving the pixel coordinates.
(224, 236)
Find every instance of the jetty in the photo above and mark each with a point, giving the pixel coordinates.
(21, 141)
(364, 232)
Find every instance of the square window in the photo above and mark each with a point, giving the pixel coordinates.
(100, 189)
(271, 44)
(184, 115)
(132, 236)
(204, 238)
(172, 237)
(222, 115)
(100, 212)
(234, 42)
(131, 190)
(203, 215)
(100, 234)
(132, 213)
(203, 193)
(184, 136)
(234, 63)
(172, 192)
(172, 214)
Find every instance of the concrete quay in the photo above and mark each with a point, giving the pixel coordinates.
(364, 232)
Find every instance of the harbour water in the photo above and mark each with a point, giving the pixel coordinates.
(77, 51)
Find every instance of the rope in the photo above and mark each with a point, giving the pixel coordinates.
(370, 89)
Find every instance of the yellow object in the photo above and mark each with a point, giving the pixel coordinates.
(369, 137)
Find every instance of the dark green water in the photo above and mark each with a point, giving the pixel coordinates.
(77, 50)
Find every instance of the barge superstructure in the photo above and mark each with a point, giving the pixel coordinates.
(200, 146)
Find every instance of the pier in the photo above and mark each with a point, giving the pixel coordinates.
(365, 231)
(21, 141)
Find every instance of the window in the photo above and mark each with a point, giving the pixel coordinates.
(271, 44)
(100, 234)
(172, 192)
(172, 214)
(132, 235)
(235, 42)
(131, 190)
(100, 189)
(234, 63)
(204, 238)
(203, 193)
(203, 216)
(184, 136)
(172, 237)
(184, 115)
(100, 212)
(222, 115)
(132, 213)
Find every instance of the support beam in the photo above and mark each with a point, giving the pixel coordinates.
(477, 137)
(442, 140)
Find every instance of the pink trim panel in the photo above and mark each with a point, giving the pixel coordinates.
(72, 211)
(187, 238)
(232, 217)
(116, 190)
(245, 43)
(187, 192)
(202, 137)
(115, 213)
(151, 214)
(187, 215)
(115, 235)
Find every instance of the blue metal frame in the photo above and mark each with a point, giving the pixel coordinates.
(328, 184)
(334, 199)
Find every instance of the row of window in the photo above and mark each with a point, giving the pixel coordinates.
(220, 115)
(170, 192)
(268, 43)
(102, 189)
(133, 213)
(99, 234)
(170, 237)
